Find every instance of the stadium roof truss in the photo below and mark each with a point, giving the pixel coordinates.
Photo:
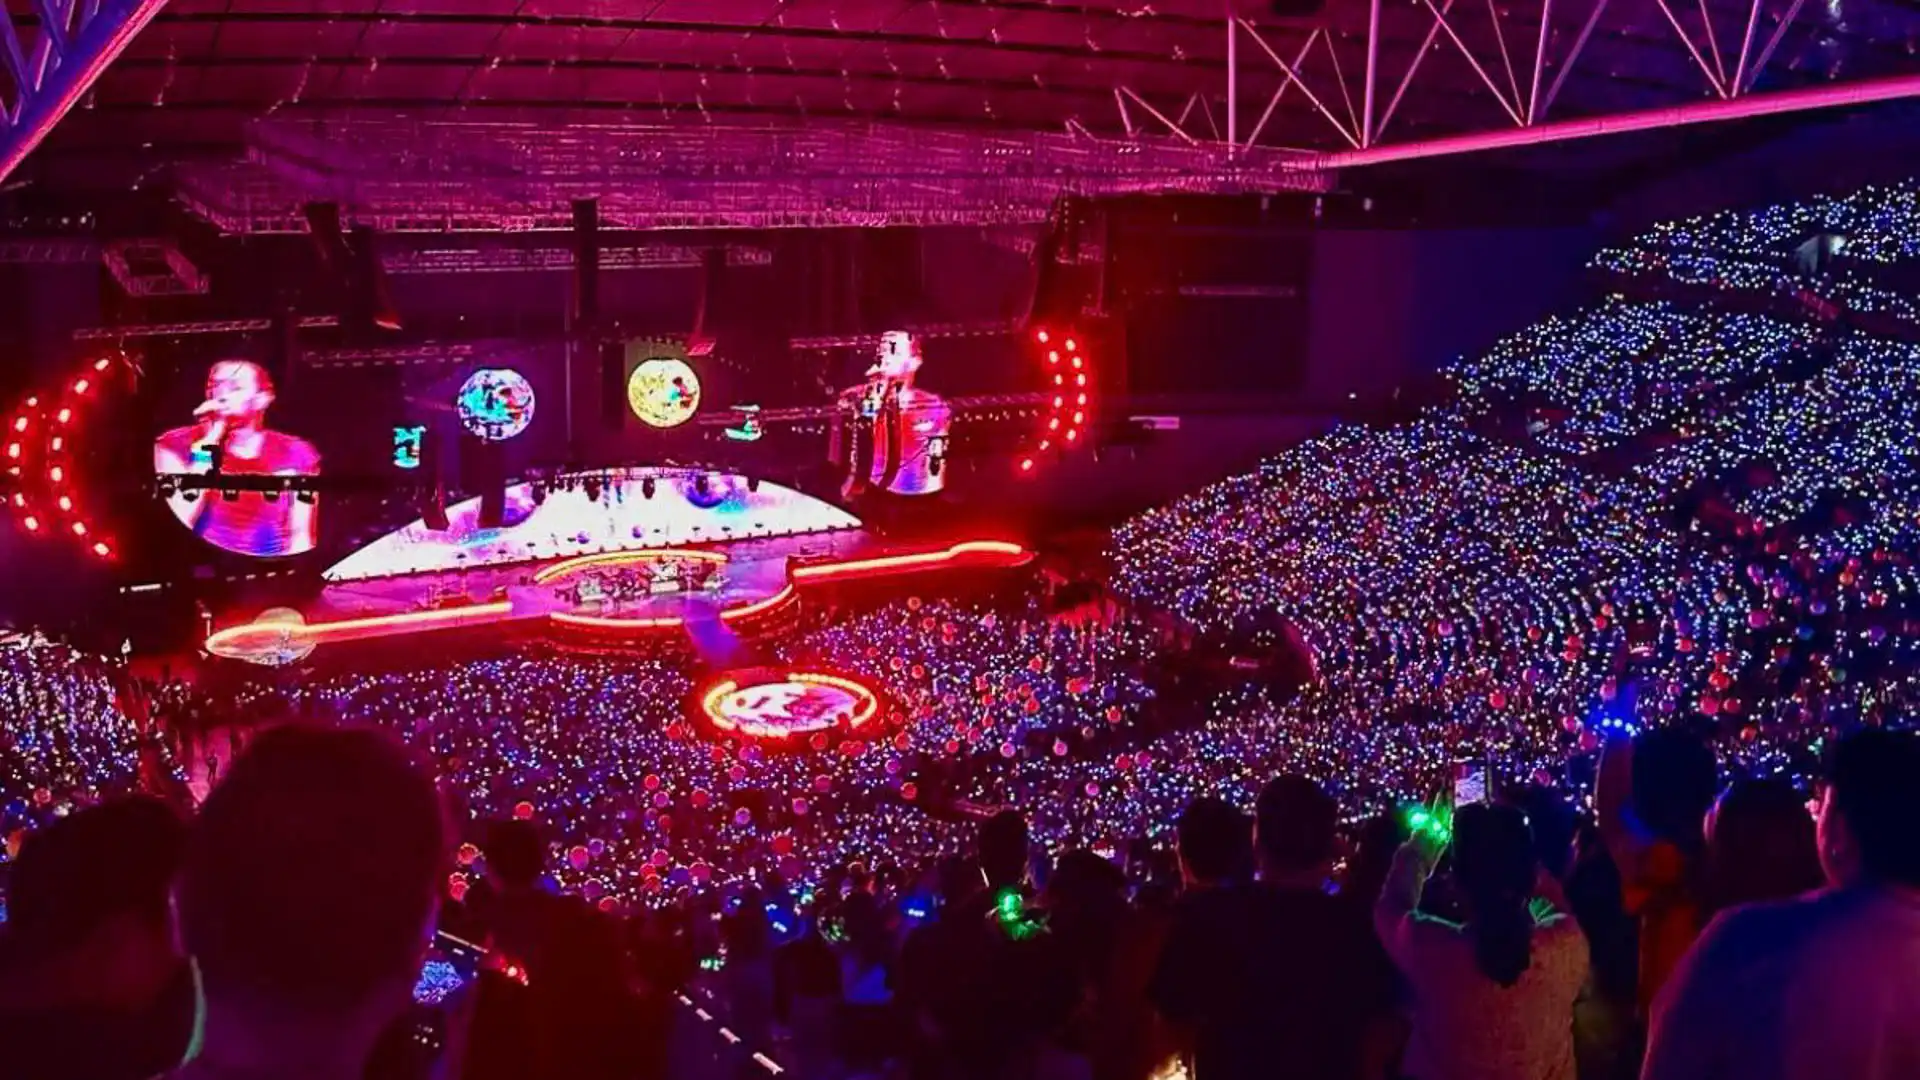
(437, 115)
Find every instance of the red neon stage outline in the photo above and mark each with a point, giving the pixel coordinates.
(347, 629)
(855, 569)
(787, 595)
(997, 553)
(866, 706)
(1070, 403)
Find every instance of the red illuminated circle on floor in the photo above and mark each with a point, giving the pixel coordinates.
(795, 704)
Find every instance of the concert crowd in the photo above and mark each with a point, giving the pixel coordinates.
(1562, 731)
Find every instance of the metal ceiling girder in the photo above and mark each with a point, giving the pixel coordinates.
(133, 265)
(74, 43)
(1730, 74)
(1747, 106)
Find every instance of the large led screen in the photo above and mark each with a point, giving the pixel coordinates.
(231, 432)
(369, 426)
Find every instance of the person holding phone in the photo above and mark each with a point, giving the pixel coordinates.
(229, 435)
(1494, 993)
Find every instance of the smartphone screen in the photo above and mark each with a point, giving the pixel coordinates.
(1470, 783)
(451, 964)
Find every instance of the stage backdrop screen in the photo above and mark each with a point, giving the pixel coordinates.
(367, 426)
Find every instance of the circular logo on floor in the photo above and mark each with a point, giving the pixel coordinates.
(779, 706)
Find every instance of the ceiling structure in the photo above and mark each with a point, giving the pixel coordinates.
(491, 114)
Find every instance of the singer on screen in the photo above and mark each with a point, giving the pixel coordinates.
(230, 429)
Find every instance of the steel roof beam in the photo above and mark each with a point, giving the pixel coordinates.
(1077, 50)
(1774, 103)
(1391, 49)
(504, 22)
(70, 51)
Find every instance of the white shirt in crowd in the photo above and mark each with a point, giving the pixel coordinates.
(1465, 1025)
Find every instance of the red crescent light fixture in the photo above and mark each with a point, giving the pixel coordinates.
(1066, 388)
(42, 467)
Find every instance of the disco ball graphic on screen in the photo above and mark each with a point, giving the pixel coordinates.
(495, 403)
(663, 391)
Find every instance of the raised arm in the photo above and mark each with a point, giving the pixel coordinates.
(1613, 806)
(1406, 880)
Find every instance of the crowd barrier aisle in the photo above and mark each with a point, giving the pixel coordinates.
(704, 1048)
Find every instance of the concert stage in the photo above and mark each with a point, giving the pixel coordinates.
(750, 583)
(602, 558)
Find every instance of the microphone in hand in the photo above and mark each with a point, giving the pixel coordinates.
(212, 425)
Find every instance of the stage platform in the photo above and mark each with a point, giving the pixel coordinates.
(747, 584)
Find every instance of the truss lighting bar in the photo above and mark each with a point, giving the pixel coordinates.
(415, 176)
(939, 330)
(385, 355)
(182, 329)
(821, 413)
(52, 251)
(534, 260)
(125, 259)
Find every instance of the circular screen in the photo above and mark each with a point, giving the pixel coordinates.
(799, 704)
(495, 403)
(663, 391)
